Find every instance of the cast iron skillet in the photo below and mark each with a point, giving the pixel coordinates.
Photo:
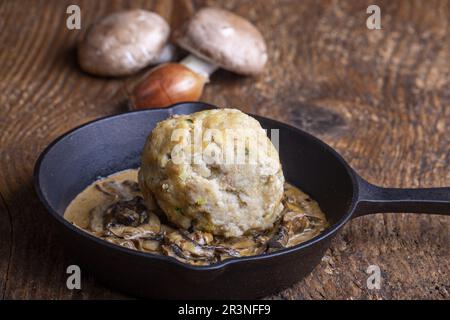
(114, 143)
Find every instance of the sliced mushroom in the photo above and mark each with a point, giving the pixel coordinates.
(126, 213)
(225, 252)
(96, 220)
(150, 229)
(189, 246)
(133, 186)
(315, 221)
(121, 242)
(302, 237)
(130, 233)
(294, 222)
(279, 240)
(243, 246)
(201, 237)
(125, 190)
(172, 250)
(293, 206)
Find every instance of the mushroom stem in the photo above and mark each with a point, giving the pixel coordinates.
(168, 53)
(200, 66)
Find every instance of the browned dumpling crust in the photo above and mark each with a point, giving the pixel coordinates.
(206, 190)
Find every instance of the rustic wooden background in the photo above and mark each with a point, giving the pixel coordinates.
(379, 97)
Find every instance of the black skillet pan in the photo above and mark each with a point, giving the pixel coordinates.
(114, 143)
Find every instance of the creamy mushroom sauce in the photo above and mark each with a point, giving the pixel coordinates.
(113, 209)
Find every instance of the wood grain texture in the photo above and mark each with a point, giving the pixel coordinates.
(379, 97)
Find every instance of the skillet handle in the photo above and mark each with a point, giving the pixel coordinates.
(374, 199)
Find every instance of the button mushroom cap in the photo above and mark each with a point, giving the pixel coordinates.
(123, 43)
(225, 39)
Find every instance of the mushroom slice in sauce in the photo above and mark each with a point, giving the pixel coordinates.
(121, 242)
(206, 240)
(294, 222)
(225, 252)
(125, 190)
(316, 222)
(174, 251)
(243, 246)
(279, 239)
(126, 212)
(96, 225)
(130, 233)
(189, 247)
(201, 237)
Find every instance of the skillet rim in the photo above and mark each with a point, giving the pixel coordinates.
(219, 265)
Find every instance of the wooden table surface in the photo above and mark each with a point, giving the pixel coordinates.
(380, 97)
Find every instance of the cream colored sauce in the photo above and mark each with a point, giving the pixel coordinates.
(302, 220)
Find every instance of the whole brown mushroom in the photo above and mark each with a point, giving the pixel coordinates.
(125, 42)
(215, 38)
